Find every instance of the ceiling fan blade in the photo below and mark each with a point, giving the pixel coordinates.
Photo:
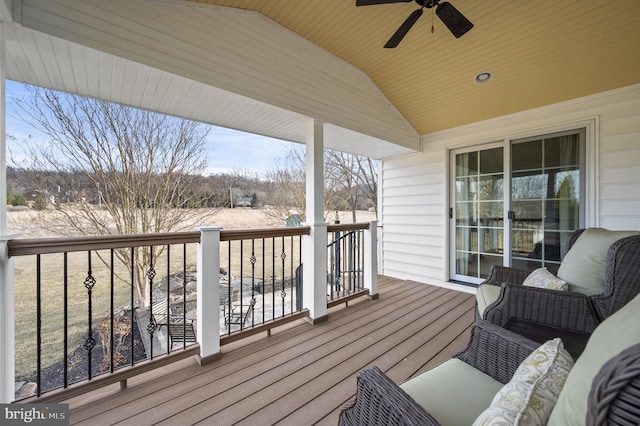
(372, 2)
(454, 20)
(397, 37)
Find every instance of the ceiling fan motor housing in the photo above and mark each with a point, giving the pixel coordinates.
(427, 3)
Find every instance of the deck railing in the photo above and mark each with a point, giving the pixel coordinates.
(345, 255)
(81, 306)
(258, 284)
(81, 323)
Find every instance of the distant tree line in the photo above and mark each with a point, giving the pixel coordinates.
(41, 189)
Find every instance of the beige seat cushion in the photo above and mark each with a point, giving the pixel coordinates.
(486, 294)
(454, 393)
(585, 264)
(615, 334)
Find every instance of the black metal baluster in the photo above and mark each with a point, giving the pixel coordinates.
(169, 299)
(241, 278)
(132, 301)
(264, 261)
(184, 287)
(351, 244)
(291, 276)
(273, 278)
(111, 337)
(335, 294)
(283, 294)
(90, 342)
(65, 283)
(253, 261)
(38, 325)
(153, 324)
(360, 259)
(330, 262)
(299, 296)
(227, 315)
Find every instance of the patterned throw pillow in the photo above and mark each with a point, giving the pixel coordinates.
(542, 278)
(530, 396)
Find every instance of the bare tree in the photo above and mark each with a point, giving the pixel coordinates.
(121, 170)
(367, 178)
(352, 178)
(286, 190)
(347, 179)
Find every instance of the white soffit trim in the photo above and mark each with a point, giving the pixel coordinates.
(267, 78)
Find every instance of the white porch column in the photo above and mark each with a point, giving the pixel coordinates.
(7, 334)
(371, 259)
(314, 277)
(208, 322)
(7, 338)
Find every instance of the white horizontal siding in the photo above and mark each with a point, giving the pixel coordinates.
(619, 184)
(412, 216)
(414, 210)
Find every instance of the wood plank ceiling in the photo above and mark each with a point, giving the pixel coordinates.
(541, 52)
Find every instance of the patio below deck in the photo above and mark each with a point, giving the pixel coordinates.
(302, 373)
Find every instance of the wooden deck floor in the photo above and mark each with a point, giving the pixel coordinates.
(300, 375)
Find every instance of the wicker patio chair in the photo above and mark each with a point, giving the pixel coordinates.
(379, 401)
(611, 397)
(541, 313)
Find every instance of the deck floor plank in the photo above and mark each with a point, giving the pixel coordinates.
(305, 361)
(301, 374)
(339, 359)
(235, 362)
(309, 397)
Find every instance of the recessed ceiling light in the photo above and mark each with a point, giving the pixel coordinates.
(483, 77)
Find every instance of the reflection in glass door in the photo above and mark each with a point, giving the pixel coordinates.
(545, 198)
(479, 213)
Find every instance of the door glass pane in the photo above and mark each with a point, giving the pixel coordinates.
(491, 187)
(491, 161)
(525, 156)
(545, 199)
(562, 150)
(467, 164)
(479, 210)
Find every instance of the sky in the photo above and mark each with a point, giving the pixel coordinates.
(229, 150)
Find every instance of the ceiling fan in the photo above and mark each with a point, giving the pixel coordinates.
(449, 15)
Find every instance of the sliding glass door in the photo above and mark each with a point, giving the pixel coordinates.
(478, 212)
(545, 198)
(535, 183)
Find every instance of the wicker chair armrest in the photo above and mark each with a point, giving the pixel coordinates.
(379, 401)
(622, 276)
(496, 351)
(504, 274)
(567, 310)
(615, 394)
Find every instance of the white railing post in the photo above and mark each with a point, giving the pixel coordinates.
(208, 317)
(7, 333)
(371, 259)
(7, 321)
